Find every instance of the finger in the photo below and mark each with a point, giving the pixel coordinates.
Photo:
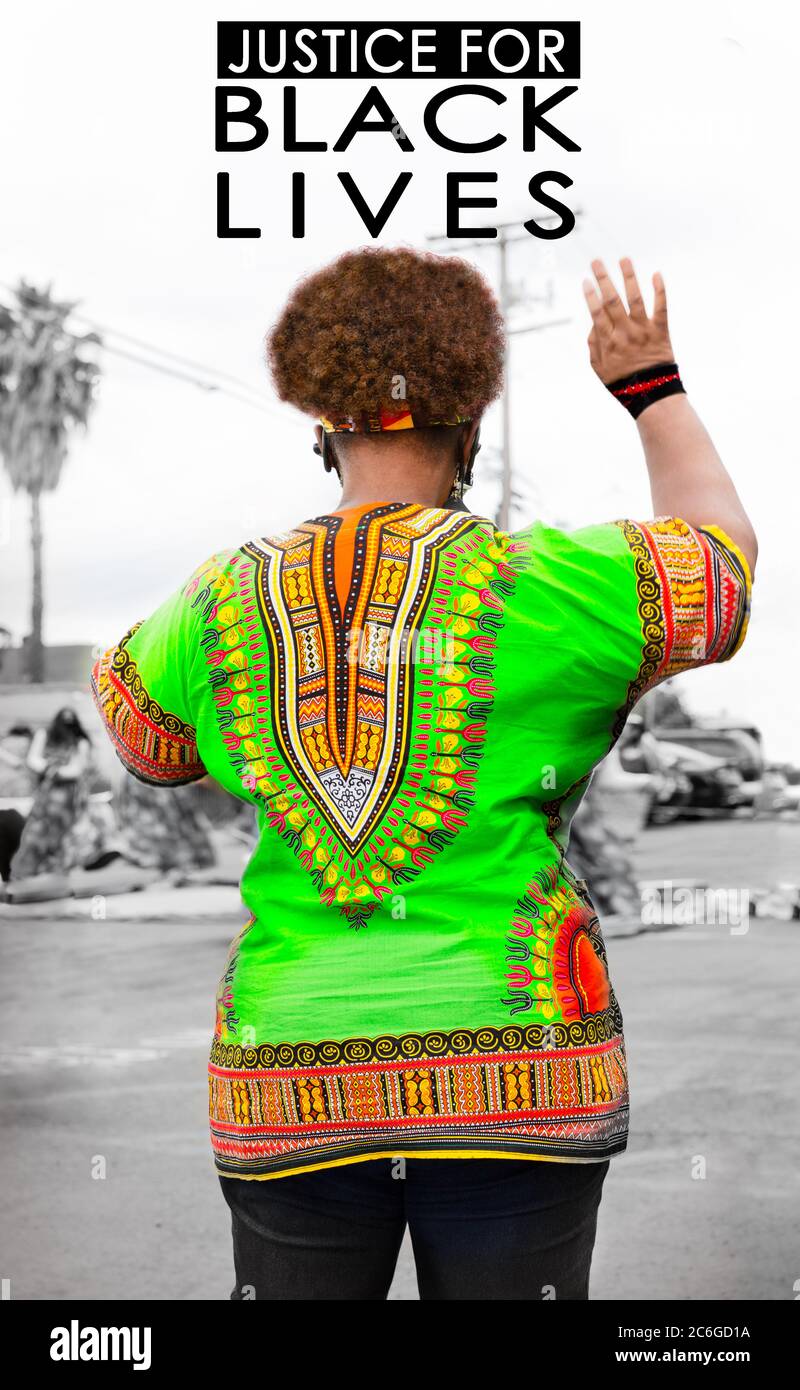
(612, 303)
(594, 346)
(595, 305)
(660, 302)
(632, 291)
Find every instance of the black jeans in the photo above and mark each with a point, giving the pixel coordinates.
(480, 1228)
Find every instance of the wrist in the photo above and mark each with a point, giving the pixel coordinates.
(643, 388)
(663, 417)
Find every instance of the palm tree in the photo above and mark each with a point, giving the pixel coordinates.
(47, 389)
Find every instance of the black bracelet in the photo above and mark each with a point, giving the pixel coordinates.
(641, 389)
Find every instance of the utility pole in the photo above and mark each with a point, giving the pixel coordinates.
(507, 234)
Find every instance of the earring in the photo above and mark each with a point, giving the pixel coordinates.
(462, 481)
(469, 463)
(456, 493)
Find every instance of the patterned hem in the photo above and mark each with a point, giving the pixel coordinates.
(498, 1143)
(564, 1102)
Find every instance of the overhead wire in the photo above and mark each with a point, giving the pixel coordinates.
(212, 381)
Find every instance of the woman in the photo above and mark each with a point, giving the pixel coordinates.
(414, 701)
(168, 833)
(51, 843)
(16, 786)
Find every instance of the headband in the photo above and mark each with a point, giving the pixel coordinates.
(385, 420)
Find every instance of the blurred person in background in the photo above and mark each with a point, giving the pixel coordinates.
(16, 792)
(59, 758)
(166, 832)
(628, 780)
(613, 814)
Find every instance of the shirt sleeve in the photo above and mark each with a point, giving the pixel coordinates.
(143, 692)
(693, 590)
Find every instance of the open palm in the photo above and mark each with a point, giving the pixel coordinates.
(624, 338)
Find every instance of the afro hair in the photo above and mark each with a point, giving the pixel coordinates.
(379, 326)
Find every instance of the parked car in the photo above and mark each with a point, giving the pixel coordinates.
(738, 747)
(696, 784)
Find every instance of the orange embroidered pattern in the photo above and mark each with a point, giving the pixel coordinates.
(365, 794)
(154, 745)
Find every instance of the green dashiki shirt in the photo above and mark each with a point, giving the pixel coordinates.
(414, 701)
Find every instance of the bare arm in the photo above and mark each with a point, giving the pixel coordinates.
(36, 760)
(687, 476)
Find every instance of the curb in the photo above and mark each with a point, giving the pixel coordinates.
(211, 903)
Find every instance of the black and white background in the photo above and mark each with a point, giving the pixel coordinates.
(687, 120)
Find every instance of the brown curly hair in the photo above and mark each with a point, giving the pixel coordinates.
(349, 330)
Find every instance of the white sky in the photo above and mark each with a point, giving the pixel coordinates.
(685, 116)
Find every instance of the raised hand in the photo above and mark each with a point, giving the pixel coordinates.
(623, 338)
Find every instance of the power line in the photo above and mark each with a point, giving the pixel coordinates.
(165, 352)
(204, 385)
(190, 376)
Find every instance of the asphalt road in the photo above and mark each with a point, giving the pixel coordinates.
(712, 1036)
